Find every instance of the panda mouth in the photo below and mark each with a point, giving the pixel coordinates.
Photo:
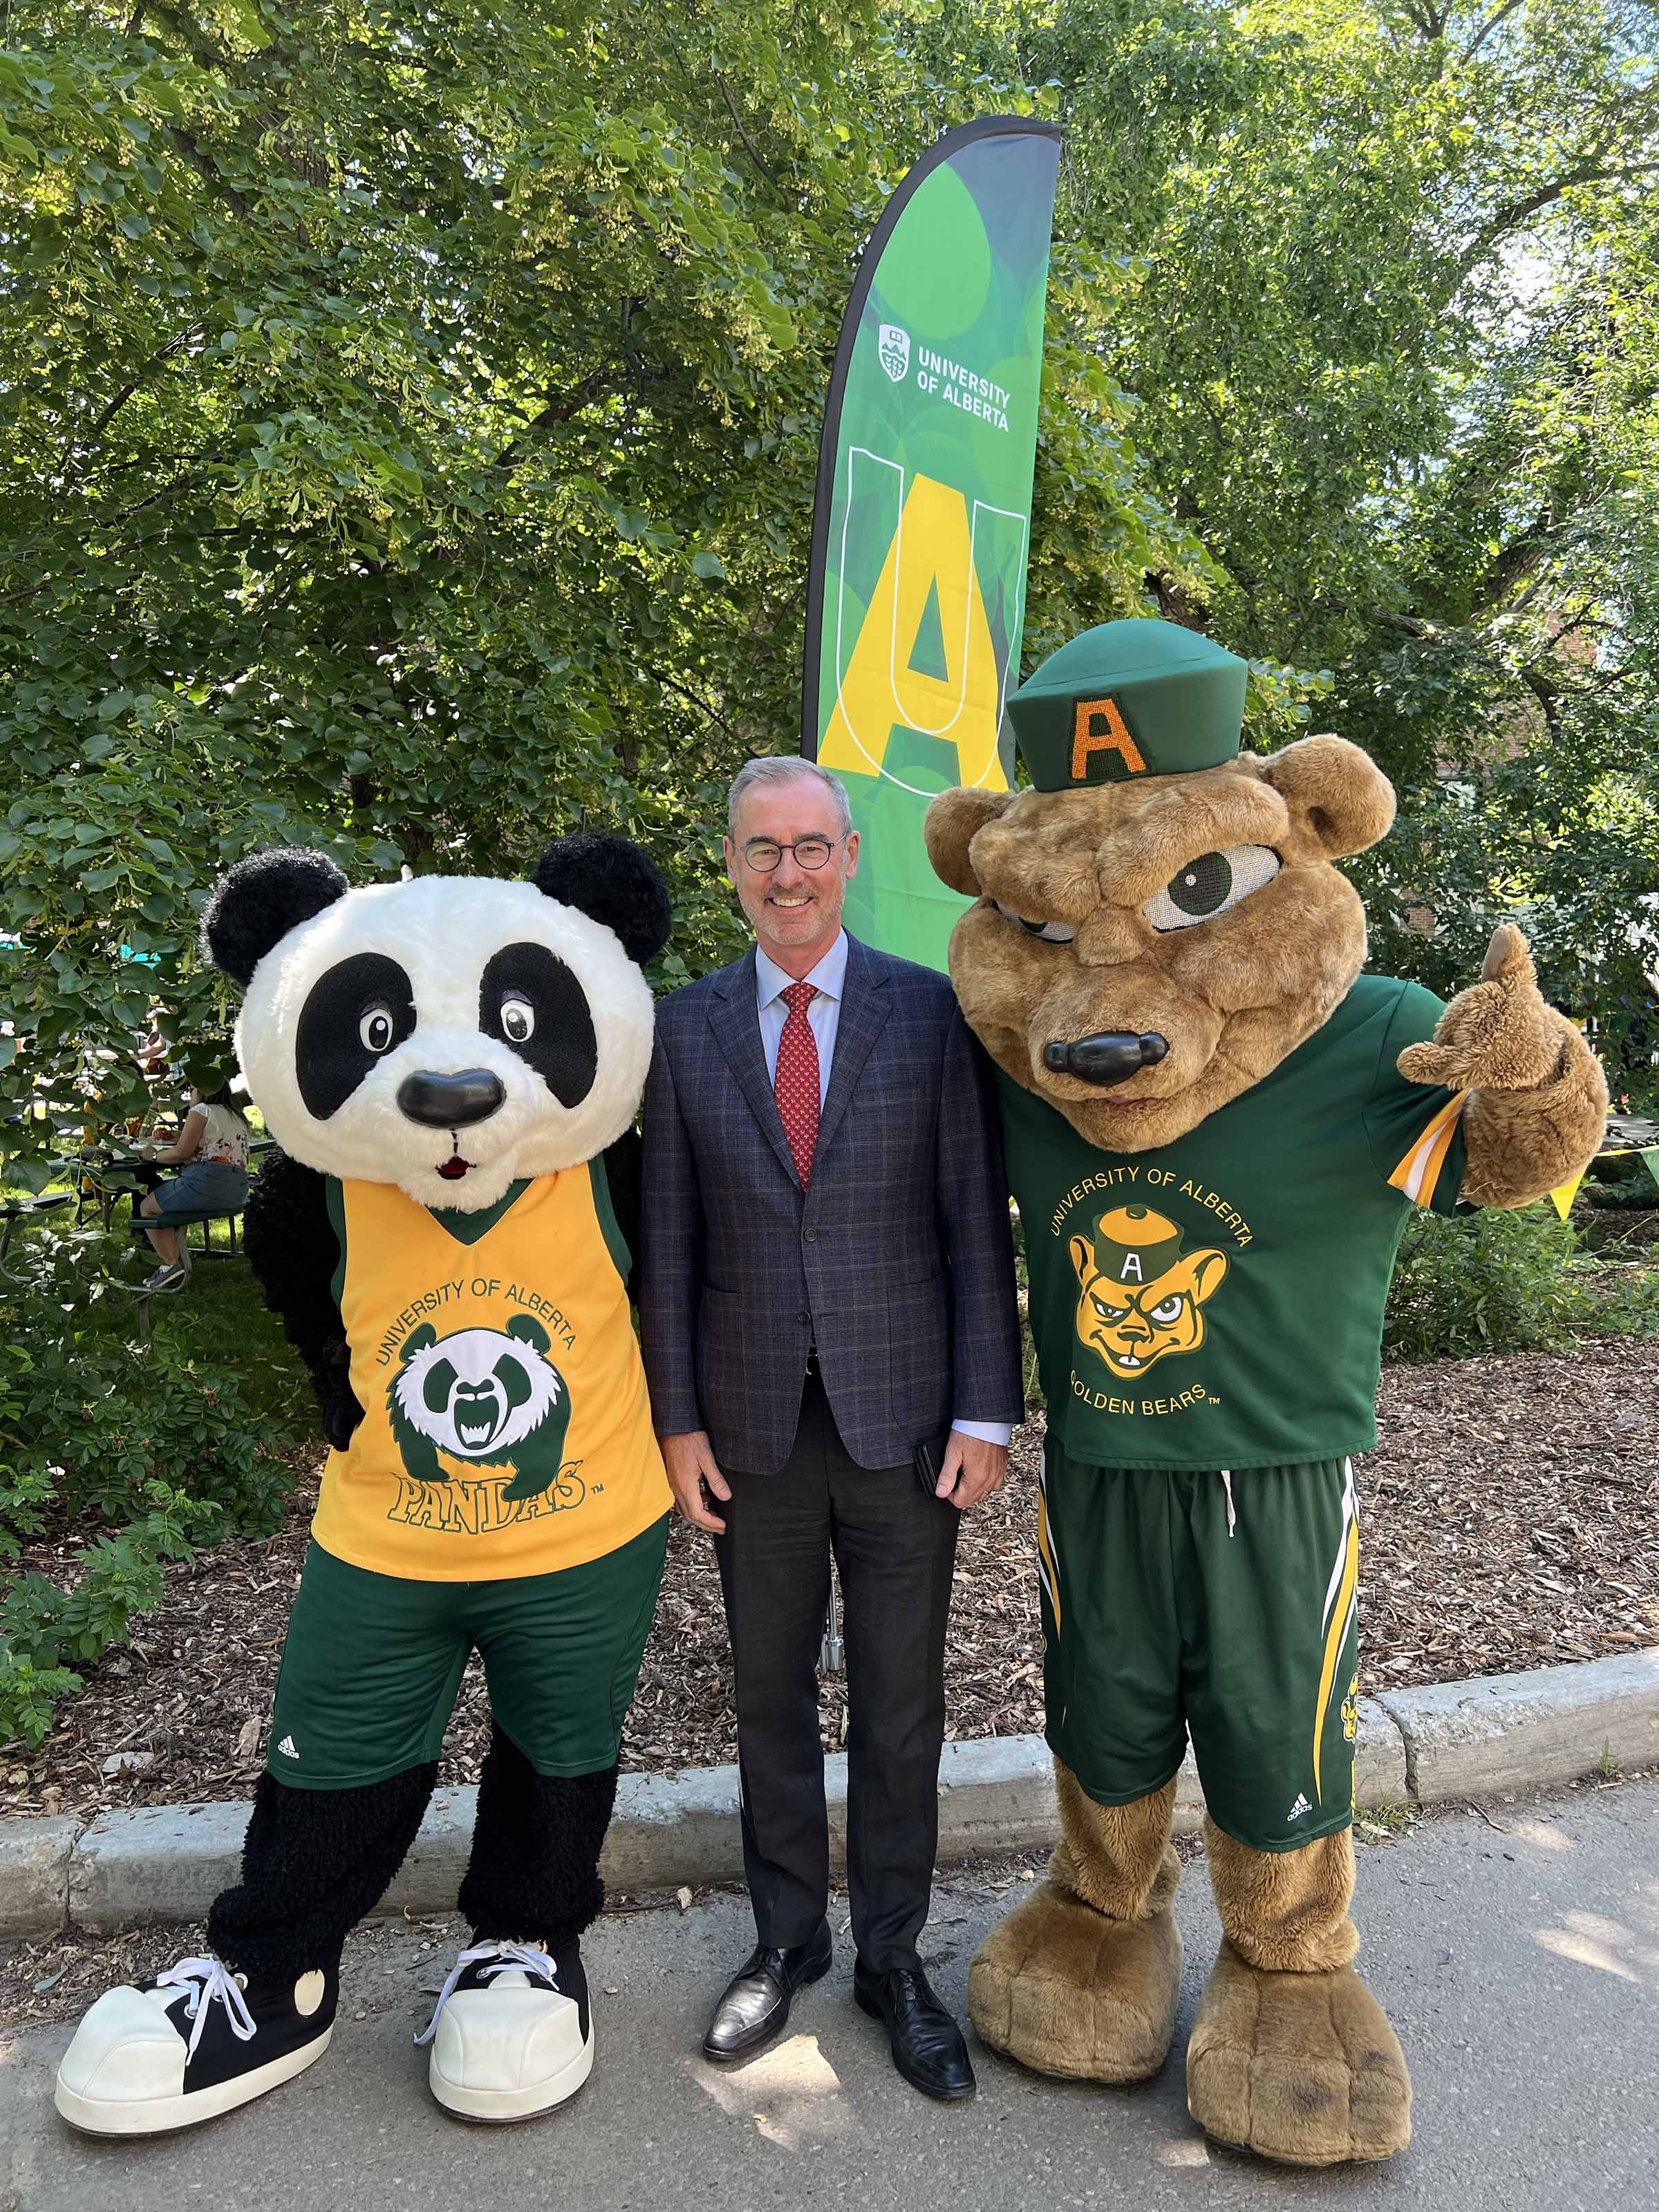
(454, 1167)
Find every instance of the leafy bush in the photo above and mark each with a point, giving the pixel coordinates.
(1508, 1282)
(160, 1448)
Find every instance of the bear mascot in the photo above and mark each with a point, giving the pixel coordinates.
(451, 1066)
(1216, 1127)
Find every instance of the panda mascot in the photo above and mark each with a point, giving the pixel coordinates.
(452, 1067)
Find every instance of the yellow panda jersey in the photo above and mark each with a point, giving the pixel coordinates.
(506, 1427)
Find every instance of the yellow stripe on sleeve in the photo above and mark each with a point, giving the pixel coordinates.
(1417, 1174)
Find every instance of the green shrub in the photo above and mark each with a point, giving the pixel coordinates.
(1509, 1282)
(146, 1450)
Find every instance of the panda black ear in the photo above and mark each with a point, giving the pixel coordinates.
(613, 881)
(259, 900)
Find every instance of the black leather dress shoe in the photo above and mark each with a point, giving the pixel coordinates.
(928, 2048)
(756, 2005)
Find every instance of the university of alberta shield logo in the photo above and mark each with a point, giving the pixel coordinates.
(893, 349)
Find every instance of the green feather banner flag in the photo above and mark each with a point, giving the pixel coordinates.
(922, 521)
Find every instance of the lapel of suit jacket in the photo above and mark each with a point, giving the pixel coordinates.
(865, 1004)
(735, 1021)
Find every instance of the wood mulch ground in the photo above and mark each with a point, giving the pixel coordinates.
(1509, 1523)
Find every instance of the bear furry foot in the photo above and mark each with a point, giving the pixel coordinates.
(1300, 2068)
(1067, 1991)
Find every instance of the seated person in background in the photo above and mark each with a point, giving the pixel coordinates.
(213, 1147)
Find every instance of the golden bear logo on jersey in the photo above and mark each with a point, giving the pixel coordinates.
(489, 1396)
(1139, 1298)
(1351, 1711)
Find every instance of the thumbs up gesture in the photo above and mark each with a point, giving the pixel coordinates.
(1497, 1035)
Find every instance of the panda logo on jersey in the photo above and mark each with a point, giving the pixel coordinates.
(489, 1396)
(448, 1035)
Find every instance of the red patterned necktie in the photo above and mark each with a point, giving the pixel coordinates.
(796, 1083)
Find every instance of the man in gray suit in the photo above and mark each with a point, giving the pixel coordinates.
(828, 1287)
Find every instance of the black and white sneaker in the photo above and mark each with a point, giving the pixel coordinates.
(511, 2036)
(196, 2041)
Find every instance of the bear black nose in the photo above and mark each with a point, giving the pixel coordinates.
(1111, 1056)
(450, 1102)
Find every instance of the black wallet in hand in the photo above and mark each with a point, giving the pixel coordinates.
(927, 1459)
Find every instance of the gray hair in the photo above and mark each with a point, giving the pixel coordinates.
(783, 768)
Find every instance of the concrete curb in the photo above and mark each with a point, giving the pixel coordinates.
(1492, 1736)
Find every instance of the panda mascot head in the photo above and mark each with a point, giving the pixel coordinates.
(450, 1034)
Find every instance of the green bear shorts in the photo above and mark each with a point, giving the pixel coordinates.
(1224, 1606)
(372, 1664)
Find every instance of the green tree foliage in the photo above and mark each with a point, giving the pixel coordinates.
(412, 422)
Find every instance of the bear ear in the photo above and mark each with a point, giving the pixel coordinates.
(1337, 795)
(611, 880)
(951, 823)
(256, 903)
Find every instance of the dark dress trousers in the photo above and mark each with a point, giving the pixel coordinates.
(819, 1337)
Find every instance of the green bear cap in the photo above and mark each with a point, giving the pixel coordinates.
(1129, 699)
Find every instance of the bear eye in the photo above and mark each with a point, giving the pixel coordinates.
(1210, 885)
(1167, 1311)
(376, 1030)
(1051, 933)
(518, 1019)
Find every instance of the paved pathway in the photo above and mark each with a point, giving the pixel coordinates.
(1520, 1961)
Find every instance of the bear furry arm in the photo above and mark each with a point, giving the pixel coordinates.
(623, 1172)
(1537, 1099)
(1523, 1143)
(292, 1251)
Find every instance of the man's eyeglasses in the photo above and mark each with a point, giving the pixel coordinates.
(764, 853)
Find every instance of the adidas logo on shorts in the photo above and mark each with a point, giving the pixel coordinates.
(286, 1748)
(1296, 1812)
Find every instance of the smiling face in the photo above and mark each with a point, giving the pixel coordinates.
(795, 912)
(449, 1035)
(1139, 1299)
(1142, 952)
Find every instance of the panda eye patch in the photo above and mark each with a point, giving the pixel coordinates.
(355, 1013)
(531, 1002)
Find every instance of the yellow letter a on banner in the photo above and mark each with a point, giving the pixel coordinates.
(933, 546)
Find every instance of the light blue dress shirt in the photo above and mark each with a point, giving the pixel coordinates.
(828, 979)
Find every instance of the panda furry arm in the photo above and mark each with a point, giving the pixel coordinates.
(292, 1251)
(624, 1162)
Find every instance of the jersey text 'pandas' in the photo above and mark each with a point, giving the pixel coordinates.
(506, 1427)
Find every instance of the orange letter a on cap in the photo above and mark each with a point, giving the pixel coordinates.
(1086, 739)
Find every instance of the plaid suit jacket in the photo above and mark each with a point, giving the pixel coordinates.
(897, 1261)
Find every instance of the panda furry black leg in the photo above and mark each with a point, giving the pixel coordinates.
(210, 2034)
(512, 2034)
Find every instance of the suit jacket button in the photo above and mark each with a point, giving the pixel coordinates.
(805, 1319)
(811, 1234)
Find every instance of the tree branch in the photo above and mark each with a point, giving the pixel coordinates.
(702, 706)
(513, 455)
(731, 110)
(1485, 31)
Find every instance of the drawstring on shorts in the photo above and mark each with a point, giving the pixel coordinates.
(1232, 1516)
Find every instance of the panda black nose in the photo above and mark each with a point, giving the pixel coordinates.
(450, 1102)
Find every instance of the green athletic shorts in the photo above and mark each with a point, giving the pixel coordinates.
(1222, 1607)
(372, 1664)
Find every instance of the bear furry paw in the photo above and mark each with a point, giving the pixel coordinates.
(1067, 1991)
(1302, 2069)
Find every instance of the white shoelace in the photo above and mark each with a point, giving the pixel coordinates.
(206, 1980)
(491, 1959)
